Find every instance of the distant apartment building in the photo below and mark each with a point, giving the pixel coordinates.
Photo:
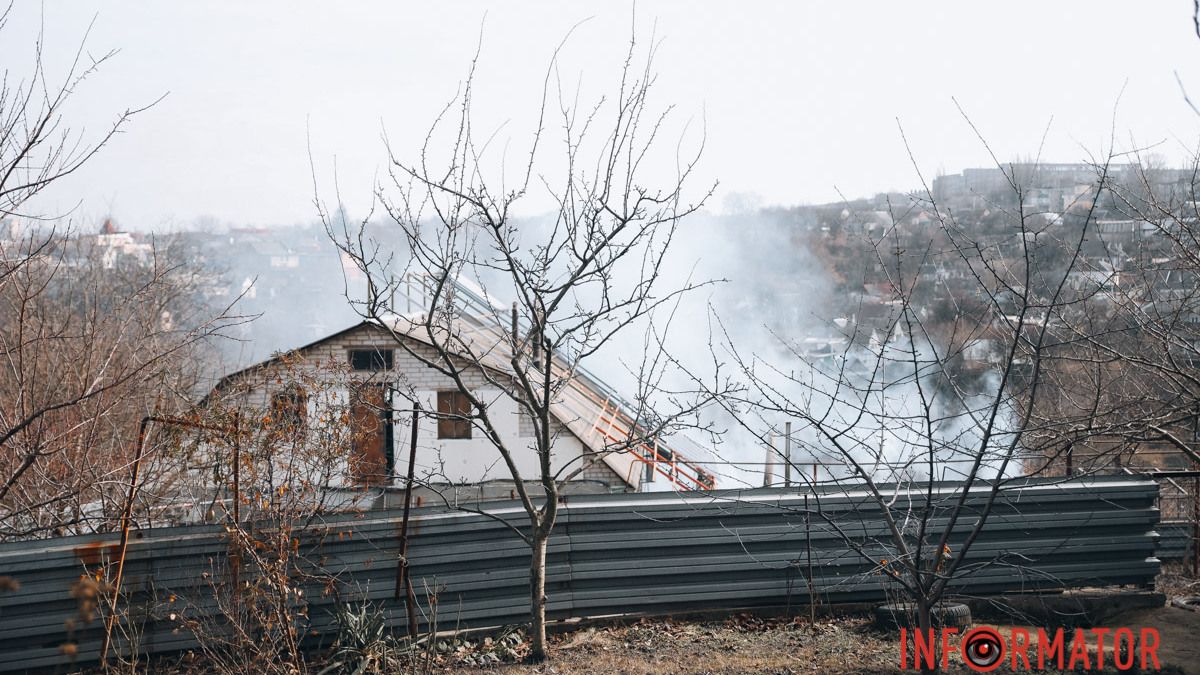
(1046, 186)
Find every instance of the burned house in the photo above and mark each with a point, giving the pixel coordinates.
(372, 377)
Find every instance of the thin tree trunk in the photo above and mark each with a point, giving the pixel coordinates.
(925, 625)
(537, 598)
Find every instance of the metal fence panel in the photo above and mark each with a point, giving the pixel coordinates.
(609, 554)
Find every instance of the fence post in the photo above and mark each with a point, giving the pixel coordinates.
(1196, 527)
(402, 577)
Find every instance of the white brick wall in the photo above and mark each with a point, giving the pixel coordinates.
(438, 460)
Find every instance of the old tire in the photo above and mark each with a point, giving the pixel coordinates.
(946, 614)
(1189, 602)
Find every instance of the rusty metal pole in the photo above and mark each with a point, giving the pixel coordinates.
(235, 557)
(127, 513)
(402, 577)
(237, 469)
(123, 547)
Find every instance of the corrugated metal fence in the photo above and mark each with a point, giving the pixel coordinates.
(1175, 541)
(610, 554)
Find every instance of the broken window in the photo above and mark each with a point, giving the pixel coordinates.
(371, 458)
(454, 409)
(289, 412)
(371, 359)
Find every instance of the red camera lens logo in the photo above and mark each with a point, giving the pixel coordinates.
(982, 649)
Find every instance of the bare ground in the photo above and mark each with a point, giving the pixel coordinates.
(743, 643)
(746, 644)
(740, 644)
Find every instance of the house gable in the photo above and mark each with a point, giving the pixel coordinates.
(449, 460)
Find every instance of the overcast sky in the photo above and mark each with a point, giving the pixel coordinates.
(800, 100)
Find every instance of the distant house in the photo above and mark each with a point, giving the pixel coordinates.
(373, 376)
(981, 351)
(114, 245)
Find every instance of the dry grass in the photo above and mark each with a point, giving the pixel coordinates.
(741, 644)
(1176, 580)
(748, 644)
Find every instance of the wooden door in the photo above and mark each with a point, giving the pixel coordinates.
(371, 435)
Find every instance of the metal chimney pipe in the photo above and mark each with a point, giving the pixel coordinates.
(769, 469)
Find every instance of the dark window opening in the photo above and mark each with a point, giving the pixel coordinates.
(454, 409)
(289, 412)
(372, 460)
(371, 359)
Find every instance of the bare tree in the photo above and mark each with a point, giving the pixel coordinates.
(1154, 296)
(88, 350)
(953, 403)
(266, 470)
(38, 147)
(94, 332)
(594, 271)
